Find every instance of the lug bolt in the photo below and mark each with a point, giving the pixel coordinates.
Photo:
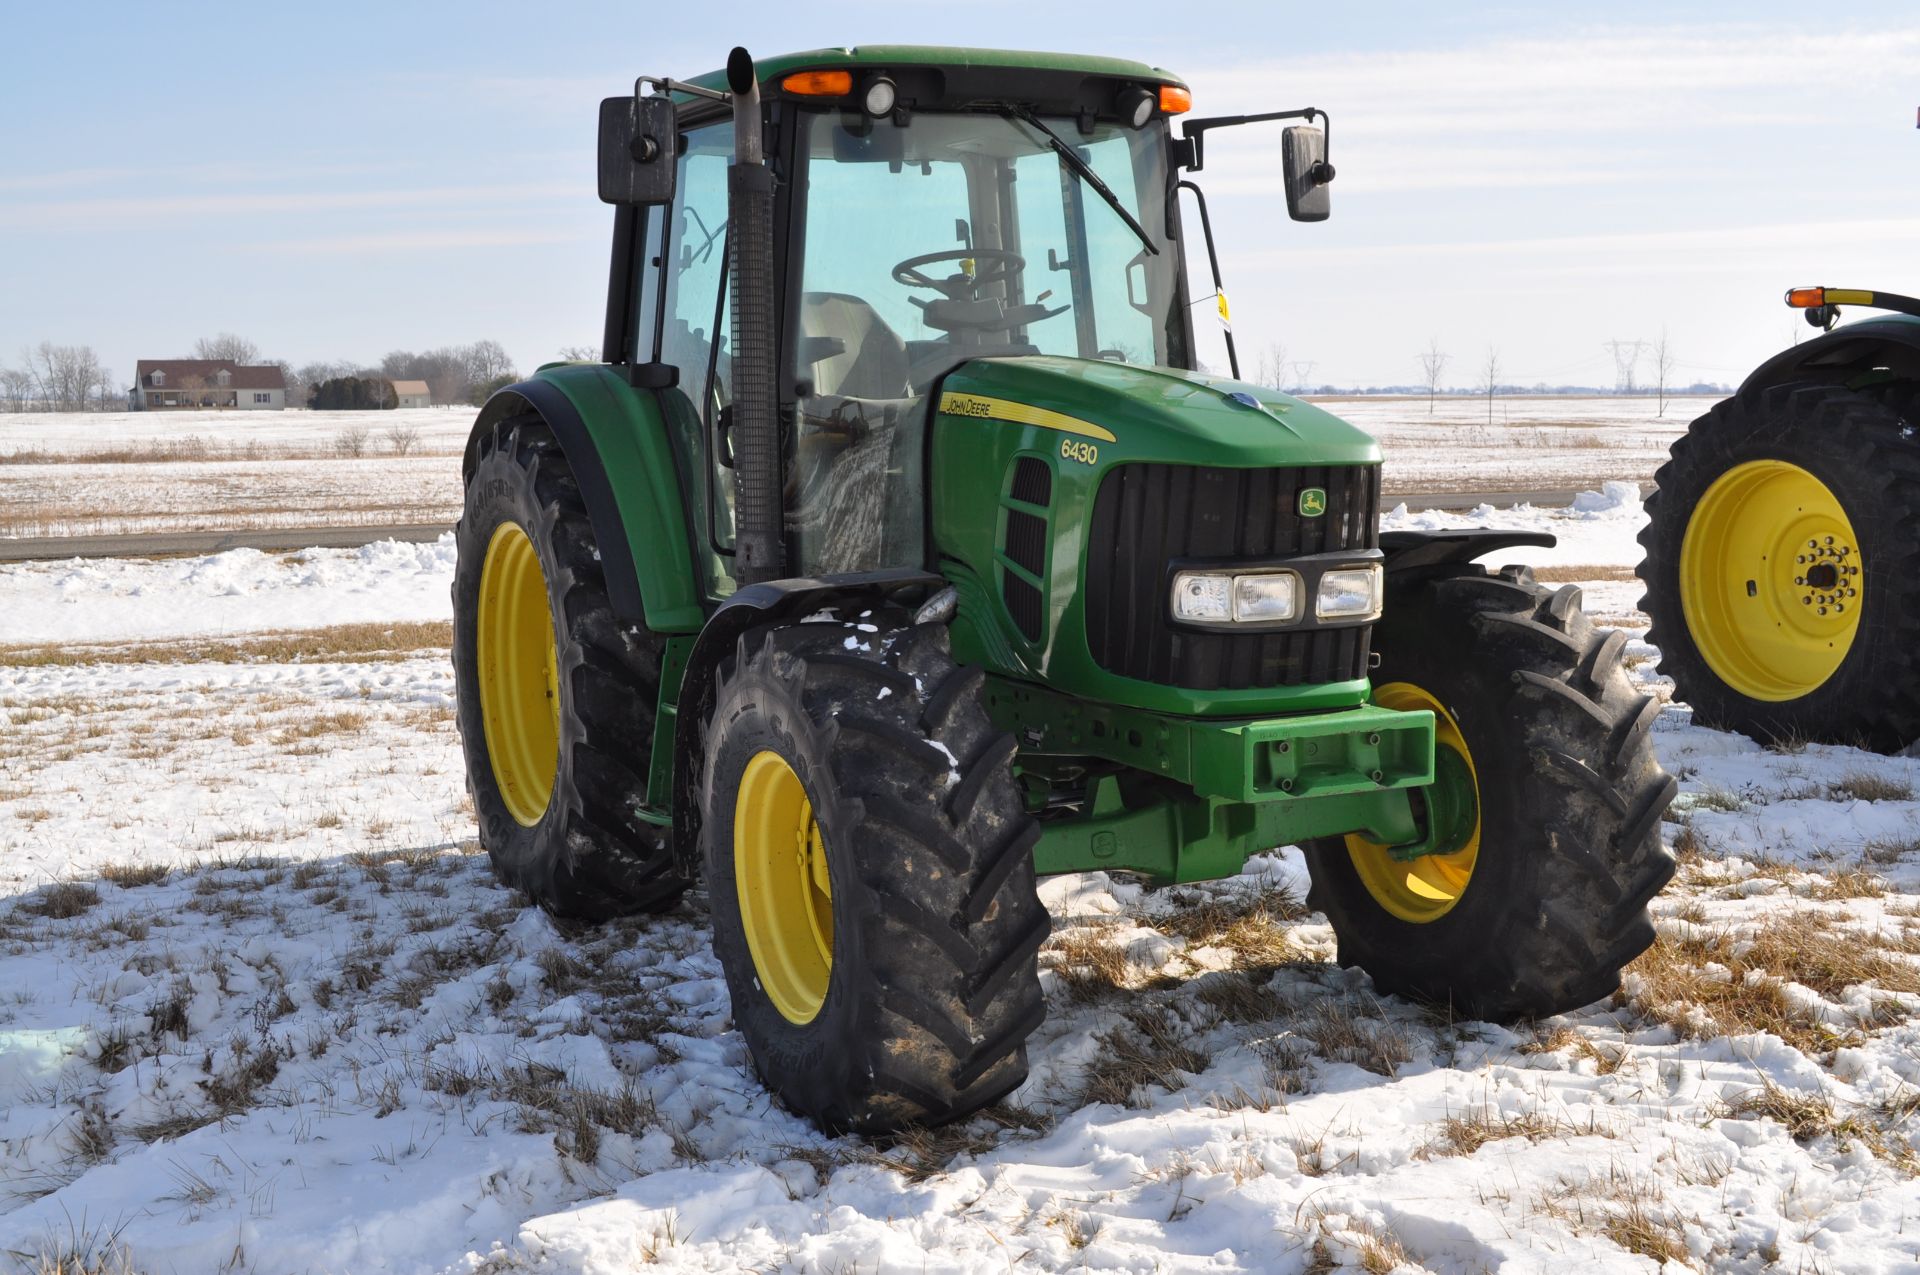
(1808, 600)
(1799, 579)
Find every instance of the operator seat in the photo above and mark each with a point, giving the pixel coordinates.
(862, 356)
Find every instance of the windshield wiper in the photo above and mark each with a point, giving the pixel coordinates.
(1085, 172)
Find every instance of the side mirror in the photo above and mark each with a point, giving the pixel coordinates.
(1303, 157)
(639, 145)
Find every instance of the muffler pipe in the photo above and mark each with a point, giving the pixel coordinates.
(759, 516)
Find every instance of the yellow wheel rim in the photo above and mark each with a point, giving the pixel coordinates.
(1424, 889)
(786, 897)
(1771, 580)
(519, 674)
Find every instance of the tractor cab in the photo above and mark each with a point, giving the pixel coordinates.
(929, 207)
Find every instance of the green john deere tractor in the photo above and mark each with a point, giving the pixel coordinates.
(1784, 539)
(896, 555)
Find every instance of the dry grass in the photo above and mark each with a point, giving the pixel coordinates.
(1155, 1052)
(1745, 994)
(1628, 1210)
(1091, 965)
(130, 876)
(1352, 1033)
(62, 900)
(343, 643)
(1252, 927)
(1464, 1135)
(1866, 785)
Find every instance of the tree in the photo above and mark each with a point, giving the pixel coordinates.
(1490, 379)
(17, 385)
(65, 377)
(488, 361)
(485, 390)
(1273, 366)
(1663, 364)
(1433, 364)
(579, 354)
(227, 348)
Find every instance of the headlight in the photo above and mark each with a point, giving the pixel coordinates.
(1351, 594)
(1266, 598)
(1203, 597)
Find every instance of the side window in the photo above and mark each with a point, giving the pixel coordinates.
(1123, 273)
(696, 261)
(646, 287)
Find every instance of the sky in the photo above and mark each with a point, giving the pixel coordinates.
(1526, 181)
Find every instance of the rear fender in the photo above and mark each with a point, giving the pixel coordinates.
(767, 603)
(1888, 345)
(615, 440)
(1430, 551)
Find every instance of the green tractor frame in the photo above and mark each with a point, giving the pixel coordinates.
(896, 554)
(1784, 537)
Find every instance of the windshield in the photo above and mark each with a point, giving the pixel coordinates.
(953, 237)
(960, 235)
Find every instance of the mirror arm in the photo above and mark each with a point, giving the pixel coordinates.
(664, 85)
(1193, 136)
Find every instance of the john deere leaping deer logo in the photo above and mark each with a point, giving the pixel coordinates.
(1313, 502)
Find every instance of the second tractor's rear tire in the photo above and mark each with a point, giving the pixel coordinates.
(555, 692)
(1764, 626)
(869, 866)
(1540, 909)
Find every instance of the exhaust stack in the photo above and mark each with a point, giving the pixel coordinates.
(759, 514)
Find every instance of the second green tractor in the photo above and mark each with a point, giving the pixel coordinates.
(898, 554)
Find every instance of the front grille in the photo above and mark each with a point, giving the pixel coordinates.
(1148, 515)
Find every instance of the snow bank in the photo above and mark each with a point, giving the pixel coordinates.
(241, 590)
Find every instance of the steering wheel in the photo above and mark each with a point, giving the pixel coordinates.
(992, 265)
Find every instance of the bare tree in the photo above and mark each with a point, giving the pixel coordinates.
(65, 377)
(1433, 364)
(17, 385)
(579, 354)
(1273, 366)
(227, 348)
(402, 439)
(488, 361)
(1663, 364)
(1490, 379)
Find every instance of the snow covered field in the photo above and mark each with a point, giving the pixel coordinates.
(104, 473)
(262, 1007)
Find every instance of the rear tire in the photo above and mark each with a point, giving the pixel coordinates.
(935, 924)
(1570, 798)
(576, 844)
(1860, 446)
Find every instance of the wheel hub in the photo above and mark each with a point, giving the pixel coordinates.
(1424, 882)
(1770, 579)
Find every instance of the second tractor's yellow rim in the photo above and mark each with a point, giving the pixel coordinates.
(1771, 580)
(519, 674)
(1424, 889)
(786, 896)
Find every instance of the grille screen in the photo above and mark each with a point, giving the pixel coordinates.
(1148, 515)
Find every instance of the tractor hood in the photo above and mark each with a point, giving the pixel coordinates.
(1134, 413)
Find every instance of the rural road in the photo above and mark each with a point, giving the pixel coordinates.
(161, 544)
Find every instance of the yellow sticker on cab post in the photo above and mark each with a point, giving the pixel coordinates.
(1226, 313)
(981, 408)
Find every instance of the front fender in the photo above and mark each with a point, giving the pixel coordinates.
(616, 443)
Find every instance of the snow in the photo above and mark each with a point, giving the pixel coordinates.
(327, 1040)
(240, 590)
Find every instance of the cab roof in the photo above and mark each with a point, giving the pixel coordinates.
(878, 56)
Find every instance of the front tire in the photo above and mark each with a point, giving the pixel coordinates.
(555, 693)
(1537, 906)
(1782, 546)
(870, 875)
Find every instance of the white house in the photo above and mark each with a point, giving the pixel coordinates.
(411, 394)
(160, 384)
